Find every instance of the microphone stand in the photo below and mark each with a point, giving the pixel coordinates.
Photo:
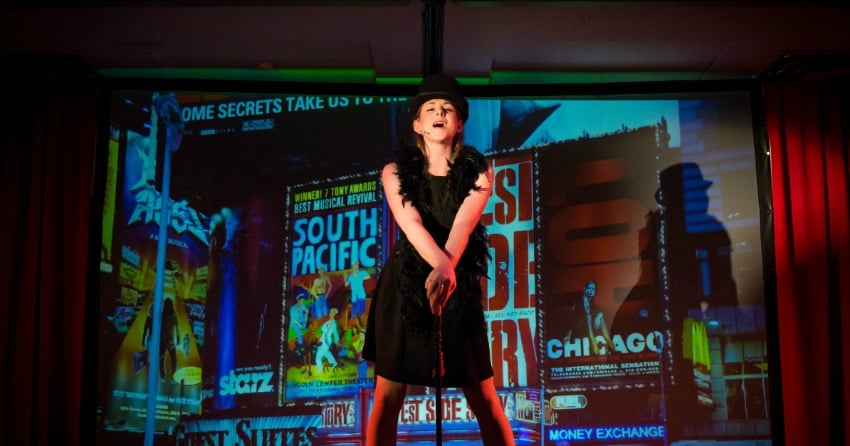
(440, 366)
(439, 333)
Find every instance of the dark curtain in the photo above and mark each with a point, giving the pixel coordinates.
(48, 131)
(807, 105)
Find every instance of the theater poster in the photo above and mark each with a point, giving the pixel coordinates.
(510, 308)
(334, 253)
(129, 264)
(599, 325)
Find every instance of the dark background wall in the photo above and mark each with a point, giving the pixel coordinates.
(544, 41)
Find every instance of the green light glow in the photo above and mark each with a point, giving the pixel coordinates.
(368, 76)
(319, 75)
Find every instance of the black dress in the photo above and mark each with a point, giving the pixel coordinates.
(400, 333)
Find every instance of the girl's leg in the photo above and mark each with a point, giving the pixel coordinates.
(484, 402)
(382, 428)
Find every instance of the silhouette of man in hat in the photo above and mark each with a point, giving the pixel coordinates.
(694, 273)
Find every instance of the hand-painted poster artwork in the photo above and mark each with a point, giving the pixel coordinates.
(626, 266)
(334, 254)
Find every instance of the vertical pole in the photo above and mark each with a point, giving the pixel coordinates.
(433, 22)
(166, 107)
(156, 307)
(438, 396)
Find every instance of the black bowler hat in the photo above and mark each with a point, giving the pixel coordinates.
(440, 86)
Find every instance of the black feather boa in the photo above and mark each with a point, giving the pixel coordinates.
(415, 188)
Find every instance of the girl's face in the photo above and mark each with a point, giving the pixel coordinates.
(438, 119)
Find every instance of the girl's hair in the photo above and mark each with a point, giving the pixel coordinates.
(457, 144)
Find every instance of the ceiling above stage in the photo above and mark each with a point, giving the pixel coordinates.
(538, 41)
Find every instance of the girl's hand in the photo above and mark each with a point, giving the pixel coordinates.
(439, 285)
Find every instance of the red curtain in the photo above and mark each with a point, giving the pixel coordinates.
(48, 132)
(808, 126)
